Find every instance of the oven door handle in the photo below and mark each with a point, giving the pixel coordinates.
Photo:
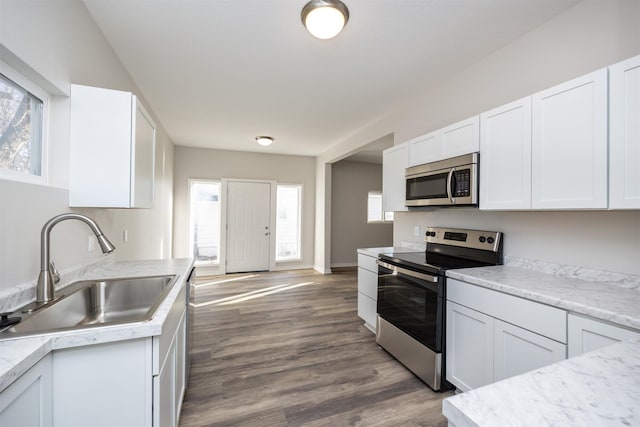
(399, 270)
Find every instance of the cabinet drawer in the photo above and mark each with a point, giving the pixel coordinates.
(542, 319)
(367, 310)
(368, 263)
(368, 283)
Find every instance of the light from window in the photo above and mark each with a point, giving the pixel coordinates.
(21, 129)
(205, 221)
(374, 208)
(288, 222)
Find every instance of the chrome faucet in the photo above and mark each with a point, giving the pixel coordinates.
(48, 273)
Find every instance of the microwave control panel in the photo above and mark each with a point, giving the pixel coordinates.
(463, 183)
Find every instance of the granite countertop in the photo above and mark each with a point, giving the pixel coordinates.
(599, 388)
(607, 296)
(17, 355)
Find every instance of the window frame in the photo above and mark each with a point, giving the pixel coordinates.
(214, 264)
(383, 220)
(300, 256)
(44, 96)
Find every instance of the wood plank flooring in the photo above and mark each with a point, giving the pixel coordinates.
(288, 349)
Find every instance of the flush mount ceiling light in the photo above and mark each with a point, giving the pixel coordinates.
(324, 19)
(264, 140)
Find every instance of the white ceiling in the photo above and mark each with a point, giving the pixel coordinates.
(219, 72)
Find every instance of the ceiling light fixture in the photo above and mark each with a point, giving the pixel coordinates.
(264, 140)
(324, 19)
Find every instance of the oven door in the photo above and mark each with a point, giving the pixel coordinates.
(412, 302)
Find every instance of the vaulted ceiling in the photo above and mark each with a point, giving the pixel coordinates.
(217, 73)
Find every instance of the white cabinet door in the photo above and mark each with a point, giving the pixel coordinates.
(469, 347)
(586, 334)
(164, 414)
(505, 157)
(517, 351)
(425, 149)
(569, 148)
(624, 134)
(109, 384)
(461, 138)
(143, 163)
(27, 402)
(394, 163)
(112, 150)
(181, 367)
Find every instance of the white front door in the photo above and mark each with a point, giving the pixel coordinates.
(248, 226)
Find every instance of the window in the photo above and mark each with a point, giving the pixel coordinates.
(22, 127)
(374, 208)
(288, 222)
(205, 221)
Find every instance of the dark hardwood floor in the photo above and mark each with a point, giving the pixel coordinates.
(288, 349)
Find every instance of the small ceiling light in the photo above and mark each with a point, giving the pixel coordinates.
(264, 140)
(324, 19)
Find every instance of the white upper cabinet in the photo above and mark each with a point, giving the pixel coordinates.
(394, 163)
(426, 148)
(461, 138)
(452, 141)
(112, 154)
(624, 134)
(505, 157)
(569, 149)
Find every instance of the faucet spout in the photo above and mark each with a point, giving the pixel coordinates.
(45, 288)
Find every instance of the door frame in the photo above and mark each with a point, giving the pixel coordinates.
(223, 220)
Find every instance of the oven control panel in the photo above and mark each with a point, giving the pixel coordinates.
(477, 239)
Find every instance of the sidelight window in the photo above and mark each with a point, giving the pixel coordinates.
(205, 221)
(288, 222)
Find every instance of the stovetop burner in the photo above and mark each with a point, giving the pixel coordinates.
(449, 249)
(430, 262)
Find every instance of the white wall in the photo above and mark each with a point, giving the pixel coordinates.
(197, 163)
(588, 36)
(350, 186)
(59, 44)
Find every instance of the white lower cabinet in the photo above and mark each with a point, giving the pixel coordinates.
(137, 382)
(517, 350)
(469, 341)
(169, 385)
(367, 290)
(492, 336)
(27, 401)
(586, 334)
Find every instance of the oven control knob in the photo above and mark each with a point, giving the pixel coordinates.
(482, 239)
(490, 240)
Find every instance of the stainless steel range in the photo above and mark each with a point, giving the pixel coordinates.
(412, 295)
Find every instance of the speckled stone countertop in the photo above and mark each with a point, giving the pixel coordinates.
(600, 388)
(607, 296)
(19, 354)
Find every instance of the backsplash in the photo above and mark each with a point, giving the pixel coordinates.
(574, 272)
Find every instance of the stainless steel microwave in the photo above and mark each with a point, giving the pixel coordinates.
(450, 182)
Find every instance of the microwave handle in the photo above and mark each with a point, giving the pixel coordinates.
(450, 185)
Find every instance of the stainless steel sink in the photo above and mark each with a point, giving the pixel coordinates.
(92, 303)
